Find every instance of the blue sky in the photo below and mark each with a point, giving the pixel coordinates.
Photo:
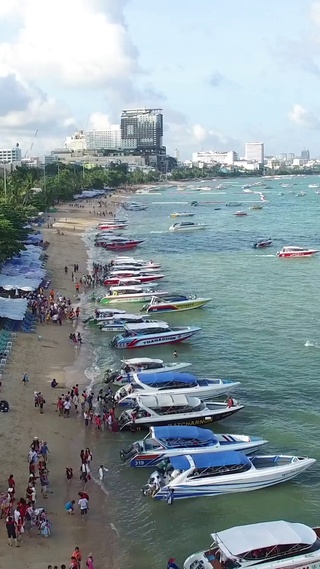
(224, 72)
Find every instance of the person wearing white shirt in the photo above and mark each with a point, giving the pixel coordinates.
(83, 504)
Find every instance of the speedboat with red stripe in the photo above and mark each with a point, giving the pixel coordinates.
(119, 244)
(151, 334)
(163, 442)
(296, 252)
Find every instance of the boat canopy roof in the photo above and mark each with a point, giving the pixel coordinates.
(110, 311)
(209, 460)
(137, 361)
(237, 541)
(165, 400)
(183, 432)
(146, 326)
(172, 297)
(168, 377)
(184, 223)
(129, 316)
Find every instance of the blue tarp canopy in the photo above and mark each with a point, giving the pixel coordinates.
(14, 309)
(184, 432)
(23, 270)
(34, 238)
(207, 460)
(167, 377)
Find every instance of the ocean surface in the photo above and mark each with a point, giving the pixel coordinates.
(261, 328)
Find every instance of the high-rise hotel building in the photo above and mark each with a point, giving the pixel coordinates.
(255, 152)
(142, 130)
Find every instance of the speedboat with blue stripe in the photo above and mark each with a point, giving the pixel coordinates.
(173, 383)
(212, 474)
(161, 443)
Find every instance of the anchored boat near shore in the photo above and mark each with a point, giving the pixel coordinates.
(174, 303)
(161, 410)
(265, 545)
(212, 474)
(174, 383)
(152, 334)
(161, 443)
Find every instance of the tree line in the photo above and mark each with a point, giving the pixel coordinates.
(27, 191)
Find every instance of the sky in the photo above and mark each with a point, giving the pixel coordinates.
(223, 71)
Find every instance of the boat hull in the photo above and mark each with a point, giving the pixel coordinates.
(197, 421)
(151, 459)
(187, 229)
(116, 299)
(203, 392)
(139, 279)
(178, 306)
(300, 254)
(153, 339)
(128, 377)
(253, 479)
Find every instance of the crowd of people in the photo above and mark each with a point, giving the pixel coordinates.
(23, 515)
(52, 307)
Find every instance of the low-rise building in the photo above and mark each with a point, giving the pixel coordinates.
(212, 157)
(10, 154)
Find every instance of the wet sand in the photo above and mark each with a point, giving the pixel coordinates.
(45, 355)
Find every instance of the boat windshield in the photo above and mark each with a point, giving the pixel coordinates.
(218, 471)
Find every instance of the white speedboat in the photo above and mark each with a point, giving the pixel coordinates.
(102, 315)
(187, 226)
(212, 474)
(182, 214)
(173, 383)
(150, 334)
(145, 366)
(266, 545)
(118, 323)
(161, 410)
(132, 262)
(124, 294)
(296, 252)
(175, 302)
(161, 443)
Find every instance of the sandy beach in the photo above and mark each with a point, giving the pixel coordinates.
(45, 355)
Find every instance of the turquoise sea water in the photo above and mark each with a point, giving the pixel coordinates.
(263, 313)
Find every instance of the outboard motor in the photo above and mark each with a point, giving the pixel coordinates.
(126, 454)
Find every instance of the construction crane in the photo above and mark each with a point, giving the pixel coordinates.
(31, 145)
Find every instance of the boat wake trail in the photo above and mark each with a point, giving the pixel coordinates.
(158, 232)
(310, 344)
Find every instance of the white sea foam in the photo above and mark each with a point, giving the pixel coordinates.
(311, 344)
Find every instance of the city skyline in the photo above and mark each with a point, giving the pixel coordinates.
(195, 61)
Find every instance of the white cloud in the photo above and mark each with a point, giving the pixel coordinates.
(77, 43)
(98, 121)
(301, 117)
(190, 138)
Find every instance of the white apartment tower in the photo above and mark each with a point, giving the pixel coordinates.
(255, 152)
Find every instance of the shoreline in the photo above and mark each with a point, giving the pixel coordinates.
(45, 355)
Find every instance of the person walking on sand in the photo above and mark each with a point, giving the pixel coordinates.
(25, 379)
(11, 531)
(41, 402)
(89, 562)
(69, 474)
(78, 556)
(83, 505)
